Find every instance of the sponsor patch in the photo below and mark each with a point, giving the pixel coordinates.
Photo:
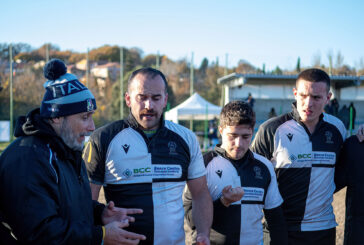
(324, 157)
(315, 157)
(156, 171)
(253, 194)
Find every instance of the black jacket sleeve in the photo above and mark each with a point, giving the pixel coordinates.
(31, 208)
(98, 209)
(276, 225)
(341, 168)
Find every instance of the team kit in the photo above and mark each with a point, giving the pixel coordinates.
(275, 187)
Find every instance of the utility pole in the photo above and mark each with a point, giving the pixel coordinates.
(121, 83)
(226, 64)
(222, 99)
(157, 61)
(87, 68)
(191, 76)
(47, 51)
(191, 86)
(11, 91)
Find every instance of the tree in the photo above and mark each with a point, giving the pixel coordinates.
(150, 60)
(105, 53)
(298, 65)
(277, 71)
(209, 88)
(361, 67)
(345, 70)
(339, 60)
(203, 67)
(330, 57)
(245, 67)
(316, 59)
(27, 93)
(76, 57)
(132, 58)
(17, 49)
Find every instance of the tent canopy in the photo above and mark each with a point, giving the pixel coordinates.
(194, 108)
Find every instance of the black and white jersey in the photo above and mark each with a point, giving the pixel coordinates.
(241, 222)
(305, 165)
(150, 174)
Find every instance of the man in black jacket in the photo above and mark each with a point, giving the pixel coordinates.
(350, 172)
(44, 188)
(241, 184)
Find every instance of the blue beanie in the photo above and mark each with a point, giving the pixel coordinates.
(64, 95)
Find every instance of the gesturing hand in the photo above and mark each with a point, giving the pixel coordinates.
(116, 235)
(230, 195)
(112, 213)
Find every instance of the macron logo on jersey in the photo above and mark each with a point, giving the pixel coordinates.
(290, 136)
(126, 148)
(219, 173)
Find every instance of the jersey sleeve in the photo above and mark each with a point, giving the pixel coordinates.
(94, 161)
(273, 198)
(263, 143)
(196, 168)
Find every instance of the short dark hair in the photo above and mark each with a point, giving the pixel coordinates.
(314, 75)
(237, 113)
(148, 72)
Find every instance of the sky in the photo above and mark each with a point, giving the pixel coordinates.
(274, 33)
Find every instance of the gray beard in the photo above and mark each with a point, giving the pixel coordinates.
(69, 138)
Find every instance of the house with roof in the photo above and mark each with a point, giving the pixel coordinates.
(276, 91)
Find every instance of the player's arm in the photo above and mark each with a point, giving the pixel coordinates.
(276, 225)
(95, 191)
(95, 166)
(201, 207)
(187, 205)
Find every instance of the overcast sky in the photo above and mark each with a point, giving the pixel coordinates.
(263, 31)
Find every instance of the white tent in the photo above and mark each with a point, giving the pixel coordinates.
(194, 108)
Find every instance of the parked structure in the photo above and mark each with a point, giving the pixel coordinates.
(275, 91)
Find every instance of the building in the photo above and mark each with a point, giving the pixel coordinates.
(276, 91)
